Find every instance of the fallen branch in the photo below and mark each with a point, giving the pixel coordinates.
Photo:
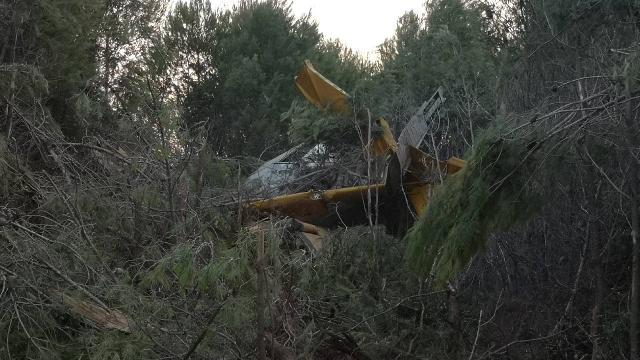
(98, 315)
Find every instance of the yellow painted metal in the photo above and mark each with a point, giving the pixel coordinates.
(419, 196)
(349, 193)
(422, 162)
(302, 206)
(314, 236)
(310, 205)
(320, 91)
(324, 94)
(314, 242)
(386, 143)
(455, 164)
(313, 229)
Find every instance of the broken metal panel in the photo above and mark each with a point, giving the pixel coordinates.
(317, 156)
(314, 242)
(418, 127)
(312, 229)
(274, 172)
(320, 91)
(272, 176)
(312, 236)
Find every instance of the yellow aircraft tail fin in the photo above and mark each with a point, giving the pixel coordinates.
(320, 91)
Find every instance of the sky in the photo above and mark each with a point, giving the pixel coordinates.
(361, 25)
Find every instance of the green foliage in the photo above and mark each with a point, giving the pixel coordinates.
(562, 15)
(148, 196)
(114, 345)
(67, 39)
(254, 52)
(492, 193)
(341, 65)
(61, 39)
(158, 276)
(448, 46)
(126, 31)
(24, 82)
(310, 125)
(21, 345)
(184, 266)
(219, 174)
(357, 285)
(259, 48)
(219, 275)
(239, 312)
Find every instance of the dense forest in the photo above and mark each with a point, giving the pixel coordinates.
(128, 129)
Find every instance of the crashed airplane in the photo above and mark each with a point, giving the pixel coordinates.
(395, 200)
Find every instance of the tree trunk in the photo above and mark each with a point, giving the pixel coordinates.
(107, 65)
(202, 158)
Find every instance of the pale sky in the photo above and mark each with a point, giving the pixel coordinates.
(359, 24)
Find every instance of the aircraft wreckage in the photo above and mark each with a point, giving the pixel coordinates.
(395, 198)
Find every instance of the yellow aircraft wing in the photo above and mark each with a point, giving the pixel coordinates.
(311, 205)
